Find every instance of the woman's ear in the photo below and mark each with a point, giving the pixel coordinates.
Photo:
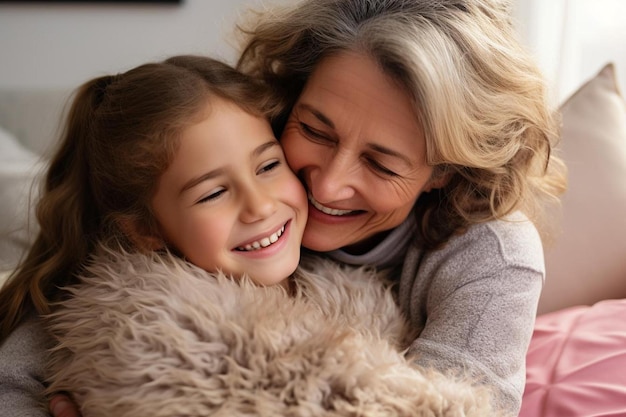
(138, 234)
(439, 179)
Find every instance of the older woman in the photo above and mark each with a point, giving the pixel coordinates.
(421, 132)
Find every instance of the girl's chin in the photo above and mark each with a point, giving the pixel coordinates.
(276, 274)
(262, 282)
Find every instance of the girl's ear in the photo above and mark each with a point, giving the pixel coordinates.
(136, 232)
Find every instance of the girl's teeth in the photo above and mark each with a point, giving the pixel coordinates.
(265, 242)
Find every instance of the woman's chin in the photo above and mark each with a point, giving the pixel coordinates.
(319, 244)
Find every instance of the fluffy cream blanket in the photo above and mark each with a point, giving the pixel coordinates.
(148, 336)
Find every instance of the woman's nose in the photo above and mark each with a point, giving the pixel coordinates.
(334, 180)
(258, 204)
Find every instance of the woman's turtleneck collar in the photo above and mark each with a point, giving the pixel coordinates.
(389, 252)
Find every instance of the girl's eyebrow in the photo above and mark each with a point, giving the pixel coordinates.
(265, 146)
(216, 172)
(199, 179)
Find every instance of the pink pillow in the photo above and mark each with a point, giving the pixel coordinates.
(576, 363)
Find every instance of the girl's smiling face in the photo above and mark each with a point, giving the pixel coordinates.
(229, 201)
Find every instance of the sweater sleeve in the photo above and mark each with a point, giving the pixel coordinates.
(475, 303)
(22, 361)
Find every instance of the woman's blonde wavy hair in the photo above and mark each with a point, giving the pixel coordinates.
(121, 134)
(480, 97)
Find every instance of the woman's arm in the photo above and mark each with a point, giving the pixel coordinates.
(475, 302)
(22, 364)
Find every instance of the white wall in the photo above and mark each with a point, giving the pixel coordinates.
(596, 34)
(60, 46)
(573, 39)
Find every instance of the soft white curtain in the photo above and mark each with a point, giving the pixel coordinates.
(573, 39)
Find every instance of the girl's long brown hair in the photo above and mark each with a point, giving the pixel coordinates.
(120, 135)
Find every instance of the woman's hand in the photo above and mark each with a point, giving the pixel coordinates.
(63, 406)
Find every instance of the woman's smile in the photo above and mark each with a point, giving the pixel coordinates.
(328, 210)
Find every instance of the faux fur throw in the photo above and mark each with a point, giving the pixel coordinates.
(148, 337)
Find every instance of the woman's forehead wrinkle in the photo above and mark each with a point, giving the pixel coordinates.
(350, 94)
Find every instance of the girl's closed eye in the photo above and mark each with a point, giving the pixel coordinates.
(212, 195)
(269, 166)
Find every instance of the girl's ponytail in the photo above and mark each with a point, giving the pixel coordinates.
(67, 216)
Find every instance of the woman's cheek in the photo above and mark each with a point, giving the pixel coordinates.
(294, 147)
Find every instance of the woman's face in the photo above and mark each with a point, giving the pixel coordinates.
(355, 142)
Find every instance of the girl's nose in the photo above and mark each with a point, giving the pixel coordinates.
(258, 204)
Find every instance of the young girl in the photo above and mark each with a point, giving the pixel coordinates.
(170, 224)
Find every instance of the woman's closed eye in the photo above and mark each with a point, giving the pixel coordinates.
(381, 169)
(322, 138)
(314, 134)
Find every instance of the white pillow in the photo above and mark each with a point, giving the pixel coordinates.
(19, 167)
(587, 262)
